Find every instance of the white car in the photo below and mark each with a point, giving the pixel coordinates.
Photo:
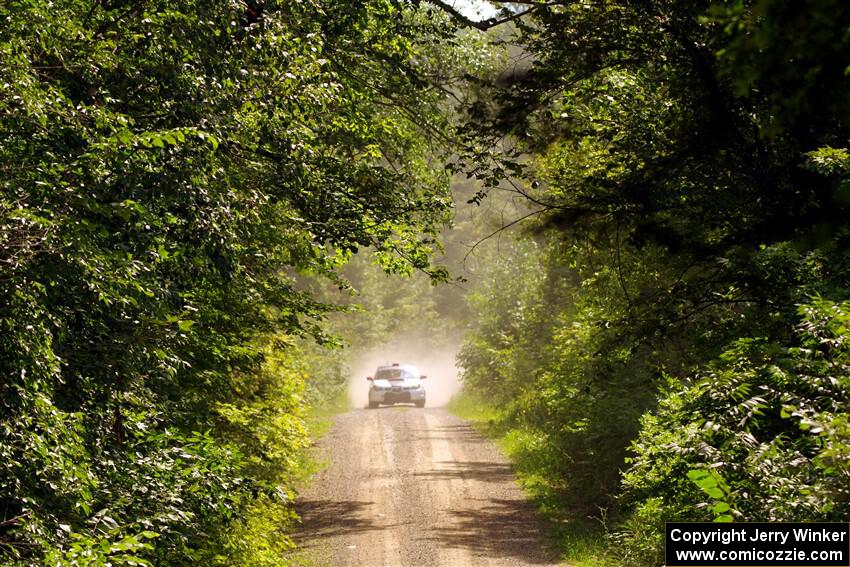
(397, 384)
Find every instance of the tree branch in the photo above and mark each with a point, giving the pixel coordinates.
(500, 229)
(15, 520)
(620, 270)
(482, 25)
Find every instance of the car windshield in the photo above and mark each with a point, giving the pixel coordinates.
(394, 374)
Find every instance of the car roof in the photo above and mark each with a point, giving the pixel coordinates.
(408, 367)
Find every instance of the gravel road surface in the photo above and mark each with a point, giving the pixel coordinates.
(408, 486)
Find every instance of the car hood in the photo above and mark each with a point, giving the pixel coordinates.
(404, 383)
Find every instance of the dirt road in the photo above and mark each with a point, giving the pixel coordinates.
(408, 487)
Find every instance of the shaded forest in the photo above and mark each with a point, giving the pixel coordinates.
(629, 219)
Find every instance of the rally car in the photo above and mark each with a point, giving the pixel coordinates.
(397, 384)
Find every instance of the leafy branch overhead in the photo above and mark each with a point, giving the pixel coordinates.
(170, 175)
(683, 268)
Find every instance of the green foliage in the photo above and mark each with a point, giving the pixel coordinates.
(714, 486)
(168, 173)
(686, 165)
(261, 537)
(102, 552)
(473, 407)
(762, 433)
(496, 353)
(552, 346)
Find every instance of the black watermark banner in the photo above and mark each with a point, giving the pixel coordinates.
(757, 545)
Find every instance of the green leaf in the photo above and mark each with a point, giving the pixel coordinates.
(720, 507)
(713, 492)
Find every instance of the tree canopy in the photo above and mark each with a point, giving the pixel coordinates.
(167, 170)
(684, 163)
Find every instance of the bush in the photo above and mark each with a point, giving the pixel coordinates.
(761, 435)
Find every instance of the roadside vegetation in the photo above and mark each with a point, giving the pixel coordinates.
(171, 174)
(666, 339)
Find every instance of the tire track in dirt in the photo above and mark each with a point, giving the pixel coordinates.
(411, 487)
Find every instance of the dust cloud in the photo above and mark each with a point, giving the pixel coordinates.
(436, 362)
